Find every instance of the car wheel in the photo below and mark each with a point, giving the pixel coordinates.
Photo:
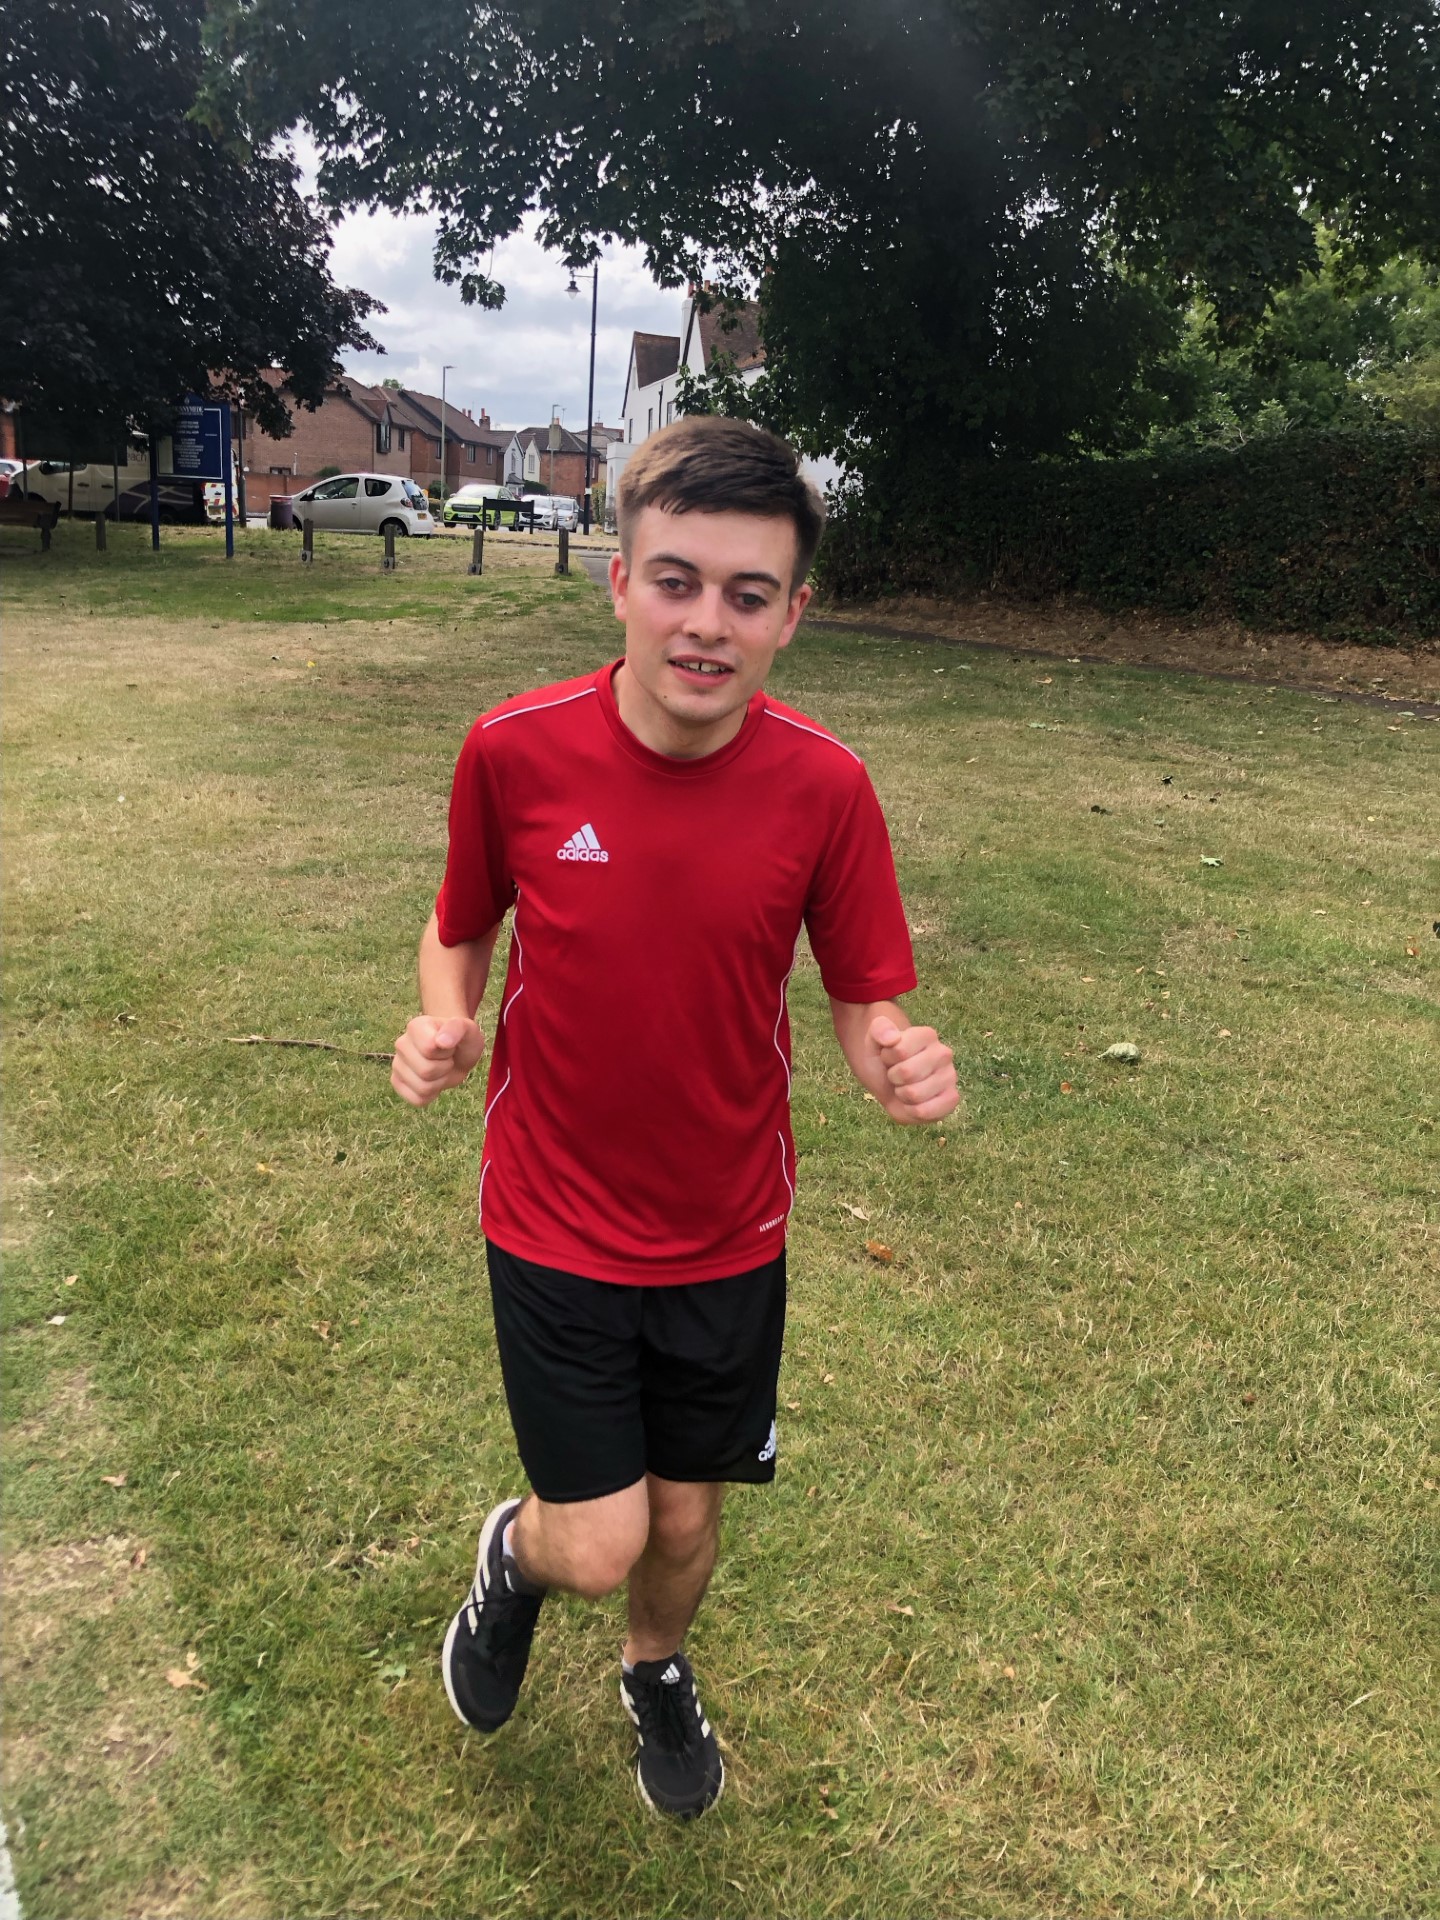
(397, 527)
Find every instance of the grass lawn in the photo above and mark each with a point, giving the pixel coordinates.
(1096, 1577)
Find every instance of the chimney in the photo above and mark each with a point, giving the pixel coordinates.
(484, 418)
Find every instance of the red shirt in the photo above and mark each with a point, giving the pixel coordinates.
(638, 1110)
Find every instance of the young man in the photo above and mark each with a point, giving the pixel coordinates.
(663, 831)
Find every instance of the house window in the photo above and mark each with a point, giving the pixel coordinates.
(382, 436)
(649, 421)
(489, 456)
(669, 411)
(401, 432)
(470, 451)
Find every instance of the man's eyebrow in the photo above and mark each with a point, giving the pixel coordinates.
(679, 560)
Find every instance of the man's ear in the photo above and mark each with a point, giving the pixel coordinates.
(619, 583)
(799, 600)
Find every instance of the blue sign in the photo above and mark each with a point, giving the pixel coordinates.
(197, 443)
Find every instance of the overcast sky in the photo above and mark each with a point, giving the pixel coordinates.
(518, 363)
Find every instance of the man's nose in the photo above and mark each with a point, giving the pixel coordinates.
(707, 616)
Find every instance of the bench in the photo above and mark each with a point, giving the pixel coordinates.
(19, 510)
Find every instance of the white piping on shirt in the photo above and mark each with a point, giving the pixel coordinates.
(780, 1015)
(504, 1018)
(540, 706)
(785, 1171)
(828, 738)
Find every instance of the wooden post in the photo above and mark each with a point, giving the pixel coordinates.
(477, 548)
(45, 526)
(562, 565)
(100, 533)
(307, 541)
(387, 565)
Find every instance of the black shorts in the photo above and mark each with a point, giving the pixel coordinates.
(607, 1382)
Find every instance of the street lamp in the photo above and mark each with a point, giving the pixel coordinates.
(573, 290)
(443, 372)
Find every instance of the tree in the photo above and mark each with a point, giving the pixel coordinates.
(970, 222)
(140, 259)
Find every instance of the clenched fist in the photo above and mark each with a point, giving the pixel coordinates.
(434, 1055)
(919, 1069)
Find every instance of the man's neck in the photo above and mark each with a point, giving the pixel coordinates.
(654, 728)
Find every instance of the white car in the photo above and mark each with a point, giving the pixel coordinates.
(556, 510)
(364, 503)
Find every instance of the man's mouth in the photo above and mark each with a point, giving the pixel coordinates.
(697, 669)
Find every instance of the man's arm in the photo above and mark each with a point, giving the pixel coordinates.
(909, 1069)
(439, 1048)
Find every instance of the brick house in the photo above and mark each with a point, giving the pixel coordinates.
(527, 459)
(474, 450)
(350, 430)
(358, 428)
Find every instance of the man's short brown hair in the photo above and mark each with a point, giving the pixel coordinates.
(709, 463)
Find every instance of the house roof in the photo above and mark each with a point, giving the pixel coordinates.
(732, 330)
(569, 442)
(656, 355)
(458, 424)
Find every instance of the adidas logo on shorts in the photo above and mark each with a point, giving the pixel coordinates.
(583, 845)
(767, 1452)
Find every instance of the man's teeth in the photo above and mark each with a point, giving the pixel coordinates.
(704, 666)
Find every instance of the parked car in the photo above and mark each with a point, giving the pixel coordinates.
(468, 503)
(555, 510)
(364, 503)
(7, 468)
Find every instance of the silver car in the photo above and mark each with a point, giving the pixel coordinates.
(364, 503)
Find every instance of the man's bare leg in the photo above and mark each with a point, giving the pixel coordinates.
(582, 1546)
(668, 1581)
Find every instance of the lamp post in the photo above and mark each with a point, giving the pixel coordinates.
(573, 290)
(443, 372)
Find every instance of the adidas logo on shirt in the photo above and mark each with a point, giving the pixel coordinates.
(582, 846)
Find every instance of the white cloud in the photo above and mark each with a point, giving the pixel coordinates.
(517, 363)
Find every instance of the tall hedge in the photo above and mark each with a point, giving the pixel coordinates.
(1334, 533)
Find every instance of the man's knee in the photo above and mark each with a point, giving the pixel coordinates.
(600, 1566)
(682, 1524)
(591, 1545)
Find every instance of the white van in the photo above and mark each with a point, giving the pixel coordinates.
(90, 487)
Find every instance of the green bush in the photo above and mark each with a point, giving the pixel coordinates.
(1330, 533)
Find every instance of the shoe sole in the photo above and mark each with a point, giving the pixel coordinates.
(495, 1518)
(670, 1813)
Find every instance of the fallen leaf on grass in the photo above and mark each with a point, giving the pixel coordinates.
(179, 1677)
(113, 1479)
(57, 1320)
(322, 1327)
(71, 1278)
(1209, 860)
(139, 1557)
(1009, 1672)
(260, 1167)
(909, 1612)
(871, 1098)
(1224, 1034)
(1122, 1050)
(877, 1250)
(1065, 1087)
(396, 1672)
(856, 1213)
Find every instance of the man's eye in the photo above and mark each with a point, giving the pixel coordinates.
(751, 601)
(672, 584)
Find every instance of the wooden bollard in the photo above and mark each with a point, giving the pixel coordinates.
(307, 542)
(562, 565)
(100, 533)
(477, 550)
(387, 565)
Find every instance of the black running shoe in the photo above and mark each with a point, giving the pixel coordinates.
(679, 1770)
(488, 1643)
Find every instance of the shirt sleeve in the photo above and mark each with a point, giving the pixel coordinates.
(478, 887)
(853, 914)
